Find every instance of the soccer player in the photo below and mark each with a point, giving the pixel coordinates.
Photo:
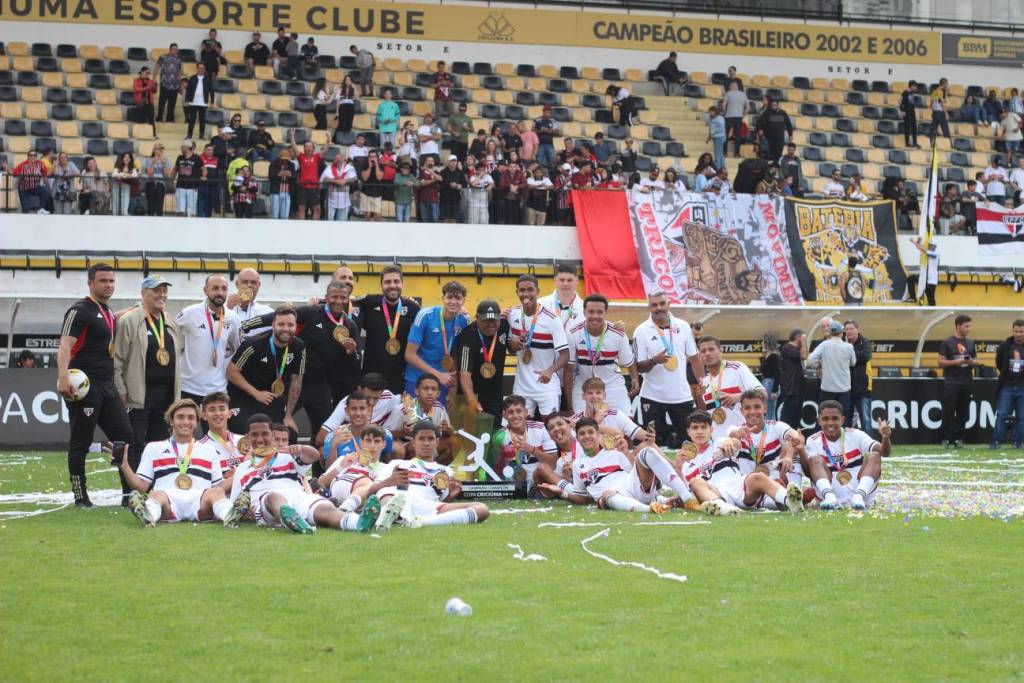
(418, 490)
(610, 420)
(617, 481)
(562, 432)
(538, 340)
(596, 349)
(564, 300)
(216, 410)
(714, 475)
(432, 341)
(270, 477)
(723, 384)
(527, 445)
(424, 405)
(768, 446)
(844, 463)
(347, 438)
(383, 404)
(346, 481)
(177, 479)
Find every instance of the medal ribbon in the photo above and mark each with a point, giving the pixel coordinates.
(337, 322)
(567, 309)
(670, 347)
(711, 383)
(444, 331)
(484, 351)
(533, 325)
(594, 353)
(278, 370)
(838, 462)
(227, 443)
(182, 463)
(108, 317)
(759, 453)
(392, 329)
(570, 455)
(152, 326)
(220, 327)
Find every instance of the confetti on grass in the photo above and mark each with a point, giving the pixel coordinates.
(636, 565)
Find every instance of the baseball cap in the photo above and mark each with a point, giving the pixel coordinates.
(547, 107)
(227, 129)
(565, 167)
(154, 281)
(452, 157)
(462, 106)
(835, 327)
(488, 309)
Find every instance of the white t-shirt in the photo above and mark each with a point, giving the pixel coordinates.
(199, 97)
(338, 195)
(834, 189)
(536, 435)
(438, 415)
(933, 265)
(1010, 127)
(255, 310)
(657, 184)
(427, 146)
(621, 95)
(569, 315)
(616, 420)
(199, 374)
(159, 465)
(355, 151)
(853, 445)
(733, 379)
(661, 384)
(481, 181)
(709, 462)
(547, 341)
(387, 404)
(1017, 177)
(996, 186)
(599, 356)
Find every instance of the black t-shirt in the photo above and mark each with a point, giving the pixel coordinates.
(958, 349)
(258, 53)
(859, 372)
(544, 122)
(770, 367)
(469, 353)
(280, 46)
(91, 325)
(156, 373)
(316, 331)
(259, 365)
(370, 318)
(190, 170)
(791, 371)
(1015, 365)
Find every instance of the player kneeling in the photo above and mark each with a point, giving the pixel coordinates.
(613, 480)
(844, 463)
(178, 478)
(418, 490)
(714, 475)
(270, 476)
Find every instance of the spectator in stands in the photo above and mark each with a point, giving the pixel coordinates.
(310, 53)
(835, 358)
(834, 188)
(958, 357)
(26, 359)
(371, 188)
(731, 77)
(1010, 364)
(1010, 133)
(365, 63)
(734, 106)
(430, 142)
(198, 96)
(481, 185)
(510, 185)
(92, 189)
(294, 59)
(563, 196)
(791, 378)
(256, 53)
(211, 37)
(789, 166)
(442, 84)
(769, 183)
(453, 181)
(157, 170)
(1017, 181)
(478, 146)
(144, 88)
(603, 149)
(126, 175)
(546, 129)
(492, 153)
(282, 173)
(854, 191)
(346, 98)
(65, 178)
(776, 126)
(627, 104)
(703, 177)
(530, 142)
(224, 146)
(460, 127)
(280, 50)
(338, 178)
(428, 196)
(188, 174)
(309, 177)
(950, 222)
(931, 275)
(992, 107)
(860, 383)
(168, 75)
(539, 188)
(651, 182)
(320, 99)
(510, 140)
(233, 169)
(716, 134)
(209, 182)
(972, 112)
(668, 73)
(674, 183)
(405, 182)
(940, 119)
(409, 142)
(261, 143)
(720, 184)
(907, 106)
(995, 181)
(358, 151)
(209, 57)
(244, 190)
(388, 116)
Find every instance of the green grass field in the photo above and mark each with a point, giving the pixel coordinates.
(924, 588)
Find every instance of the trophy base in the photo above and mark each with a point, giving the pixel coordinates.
(493, 490)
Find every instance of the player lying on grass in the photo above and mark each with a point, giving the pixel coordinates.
(844, 463)
(418, 490)
(269, 477)
(425, 405)
(615, 480)
(528, 444)
(714, 475)
(348, 479)
(610, 421)
(348, 437)
(766, 446)
(178, 477)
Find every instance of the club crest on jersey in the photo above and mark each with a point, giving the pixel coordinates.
(87, 412)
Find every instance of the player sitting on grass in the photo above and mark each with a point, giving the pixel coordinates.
(348, 437)
(710, 467)
(528, 443)
(563, 434)
(844, 463)
(610, 420)
(347, 480)
(767, 446)
(269, 475)
(424, 406)
(178, 478)
(615, 480)
(216, 413)
(419, 489)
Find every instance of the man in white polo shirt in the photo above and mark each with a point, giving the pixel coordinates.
(211, 333)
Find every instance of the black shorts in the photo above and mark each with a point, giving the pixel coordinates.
(309, 196)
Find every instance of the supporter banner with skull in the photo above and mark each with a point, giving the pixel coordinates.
(824, 235)
(709, 249)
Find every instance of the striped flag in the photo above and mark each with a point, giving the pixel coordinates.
(1000, 230)
(929, 214)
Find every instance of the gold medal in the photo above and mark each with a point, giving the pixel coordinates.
(340, 333)
(243, 445)
(718, 415)
(672, 363)
(364, 457)
(393, 346)
(447, 362)
(527, 356)
(688, 450)
(163, 357)
(608, 442)
(183, 482)
(110, 349)
(263, 451)
(277, 388)
(763, 469)
(602, 407)
(844, 477)
(244, 295)
(213, 358)
(441, 480)
(488, 370)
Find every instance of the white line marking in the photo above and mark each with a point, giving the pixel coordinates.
(603, 534)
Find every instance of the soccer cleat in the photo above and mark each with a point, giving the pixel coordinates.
(371, 510)
(794, 498)
(857, 502)
(719, 508)
(660, 508)
(690, 505)
(392, 509)
(994, 445)
(415, 522)
(829, 503)
(238, 509)
(137, 505)
(293, 521)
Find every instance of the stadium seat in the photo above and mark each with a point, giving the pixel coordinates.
(813, 154)
(6, 77)
(693, 90)
(755, 94)
(801, 82)
(94, 66)
(493, 83)
(891, 114)
(897, 156)
(603, 116)
(15, 127)
(288, 119)
(126, 98)
(490, 111)
(28, 78)
(526, 99)
(526, 70)
(482, 69)
(855, 155)
(303, 104)
(327, 62)
(296, 89)
(413, 94)
(975, 90)
(272, 87)
(263, 117)
(137, 54)
(617, 132)
(819, 139)
(120, 147)
(239, 71)
(675, 149)
(888, 127)
(57, 95)
(870, 112)
(81, 96)
(959, 159)
(224, 86)
(651, 148)
(963, 144)
(860, 85)
(840, 140)
(776, 94)
(611, 75)
(119, 67)
(954, 174)
(880, 86)
(458, 95)
(661, 133)
(61, 112)
(846, 126)
(97, 148)
(65, 51)
(187, 55)
(8, 93)
(592, 101)
(561, 114)
(570, 73)
(559, 85)
(100, 82)
(40, 129)
(644, 164)
(890, 171)
(548, 98)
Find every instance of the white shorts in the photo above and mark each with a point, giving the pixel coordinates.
(420, 507)
(845, 493)
(729, 484)
(794, 476)
(628, 484)
(304, 504)
(341, 488)
(615, 396)
(544, 404)
(184, 503)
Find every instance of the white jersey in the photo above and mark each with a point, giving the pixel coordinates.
(255, 310)
(438, 415)
(616, 420)
(386, 405)
(201, 372)
(536, 435)
(599, 356)
(763, 448)
(568, 456)
(606, 470)
(227, 451)
(733, 379)
(569, 315)
(661, 384)
(421, 478)
(160, 465)
(845, 453)
(279, 472)
(545, 343)
(709, 462)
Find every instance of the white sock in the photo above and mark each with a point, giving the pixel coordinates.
(780, 498)
(348, 521)
(461, 516)
(622, 503)
(152, 511)
(221, 509)
(865, 485)
(351, 503)
(823, 486)
(666, 474)
(565, 485)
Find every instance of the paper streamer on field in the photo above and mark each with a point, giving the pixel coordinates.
(521, 555)
(516, 511)
(604, 533)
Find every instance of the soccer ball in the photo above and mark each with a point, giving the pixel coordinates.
(79, 383)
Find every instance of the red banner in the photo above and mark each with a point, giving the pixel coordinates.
(610, 264)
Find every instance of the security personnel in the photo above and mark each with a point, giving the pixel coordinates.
(146, 374)
(87, 344)
(386, 319)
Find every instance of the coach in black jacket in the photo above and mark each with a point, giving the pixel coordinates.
(860, 393)
(198, 97)
(1010, 361)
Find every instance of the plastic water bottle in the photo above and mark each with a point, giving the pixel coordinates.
(457, 607)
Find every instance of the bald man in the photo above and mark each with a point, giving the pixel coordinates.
(211, 333)
(243, 301)
(341, 274)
